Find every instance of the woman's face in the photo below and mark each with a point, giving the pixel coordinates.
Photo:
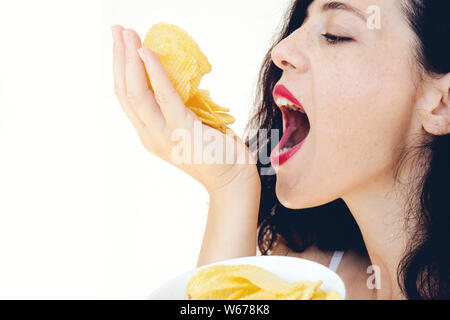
(358, 95)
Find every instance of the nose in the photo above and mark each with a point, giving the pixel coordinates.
(288, 55)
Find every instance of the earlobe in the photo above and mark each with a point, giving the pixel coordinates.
(433, 106)
(437, 125)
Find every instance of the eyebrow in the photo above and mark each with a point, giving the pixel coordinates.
(336, 5)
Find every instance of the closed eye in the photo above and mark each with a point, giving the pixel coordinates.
(334, 39)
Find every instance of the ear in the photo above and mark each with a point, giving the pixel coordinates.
(433, 105)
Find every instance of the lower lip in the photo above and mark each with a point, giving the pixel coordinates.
(279, 159)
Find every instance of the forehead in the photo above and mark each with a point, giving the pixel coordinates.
(358, 7)
(389, 13)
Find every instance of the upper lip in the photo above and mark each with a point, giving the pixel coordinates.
(280, 91)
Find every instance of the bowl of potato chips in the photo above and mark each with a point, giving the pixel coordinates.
(255, 278)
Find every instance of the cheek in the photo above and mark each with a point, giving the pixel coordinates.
(362, 111)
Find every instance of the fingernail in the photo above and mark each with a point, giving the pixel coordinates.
(127, 37)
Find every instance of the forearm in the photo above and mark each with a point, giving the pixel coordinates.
(232, 224)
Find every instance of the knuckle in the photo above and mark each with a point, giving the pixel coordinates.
(132, 97)
(152, 146)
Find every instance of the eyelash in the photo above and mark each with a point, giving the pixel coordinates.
(333, 39)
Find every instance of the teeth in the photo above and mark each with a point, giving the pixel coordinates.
(283, 102)
(284, 150)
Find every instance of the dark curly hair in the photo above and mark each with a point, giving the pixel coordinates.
(424, 272)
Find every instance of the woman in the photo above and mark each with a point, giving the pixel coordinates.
(364, 159)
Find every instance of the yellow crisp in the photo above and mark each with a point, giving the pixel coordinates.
(185, 65)
(247, 282)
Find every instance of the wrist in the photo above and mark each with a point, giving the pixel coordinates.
(244, 183)
(238, 193)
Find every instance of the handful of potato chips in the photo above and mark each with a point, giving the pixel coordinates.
(185, 65)
(247, 282)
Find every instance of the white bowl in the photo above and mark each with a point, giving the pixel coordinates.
(290, 269)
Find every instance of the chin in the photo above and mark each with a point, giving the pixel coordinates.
(297, 198)
(289, 197)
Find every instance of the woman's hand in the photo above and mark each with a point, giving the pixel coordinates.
(167, 128)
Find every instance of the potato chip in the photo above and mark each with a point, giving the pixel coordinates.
(185, 65)
(320, 295)
(179, 66)
(248, 282)
(332, 295)
(309, 291)
(261, 295)
(213, 279)
(168, 33)
(262, 278)
(244, 292)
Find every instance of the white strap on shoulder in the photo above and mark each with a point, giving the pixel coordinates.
(336, 260)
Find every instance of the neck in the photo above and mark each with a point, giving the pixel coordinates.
(379, 210)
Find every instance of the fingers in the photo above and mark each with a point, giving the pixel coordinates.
(119, 76)
(138, 93)
(172, 107)
(132, 63)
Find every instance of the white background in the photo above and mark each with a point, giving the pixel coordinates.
(85, 211)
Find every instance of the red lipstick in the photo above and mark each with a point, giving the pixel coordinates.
(281, 153)
(283, 92)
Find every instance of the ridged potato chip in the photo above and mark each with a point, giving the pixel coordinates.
(185, 65)
(218, 279)
(248, 282)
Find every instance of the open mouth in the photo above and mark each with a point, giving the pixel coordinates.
(295, 128)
